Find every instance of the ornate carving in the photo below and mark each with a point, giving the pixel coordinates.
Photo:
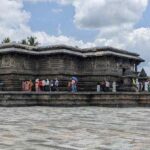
(6, 61)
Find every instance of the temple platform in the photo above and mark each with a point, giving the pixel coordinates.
(107, 99)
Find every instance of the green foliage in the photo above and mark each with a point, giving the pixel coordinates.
(6, 40)
(32, 41)
(24, 42)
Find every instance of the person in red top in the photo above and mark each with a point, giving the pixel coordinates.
(40, 85)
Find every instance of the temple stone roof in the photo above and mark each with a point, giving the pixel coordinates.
(57, 49)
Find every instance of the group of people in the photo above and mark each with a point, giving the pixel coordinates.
(41, 85)
(48, 85)
(141, 86)
(105, 85)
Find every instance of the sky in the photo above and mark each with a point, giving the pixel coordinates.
(83, 23)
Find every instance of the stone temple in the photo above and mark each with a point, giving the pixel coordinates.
(20, 62)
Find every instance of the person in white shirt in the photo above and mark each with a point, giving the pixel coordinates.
(43, 85)
(146, 86)
(114, 86)
(107, 85)
(56, 84)
(98, 89)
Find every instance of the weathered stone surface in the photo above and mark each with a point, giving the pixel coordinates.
(74, 99)
(18, 63)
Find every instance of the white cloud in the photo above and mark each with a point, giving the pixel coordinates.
(108, 13)
(115, 20)
(14, 24)
(63, 2)
(13, 19)
(46, 39)
(135, 40)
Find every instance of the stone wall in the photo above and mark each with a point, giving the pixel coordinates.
(14, 68)
(77, 99)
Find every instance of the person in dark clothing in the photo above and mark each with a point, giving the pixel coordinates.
(103, 86)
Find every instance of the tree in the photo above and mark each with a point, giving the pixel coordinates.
(32, 41)
(6, 40)
(24, 42)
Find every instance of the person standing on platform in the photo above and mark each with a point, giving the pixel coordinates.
(114, 86)
(40, 85)
(146, 86)
(69, 86)
(43, 85)
(107, 86)
(51, 85)
(23, 85)
(74, 81)
(149, 86)
(37, 88)
(133, 82)
(56, 84)
(26, 85)
(103, 86)
(30, 85)
(47, 85)
(73, 86)
(98, 89)
(137, 85)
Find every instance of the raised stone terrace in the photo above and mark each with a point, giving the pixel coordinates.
(120, 99)
(91, 65)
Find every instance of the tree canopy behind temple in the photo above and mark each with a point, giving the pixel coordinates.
(31, 41)
(6, 40)
(143, 73)
(24, 42)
